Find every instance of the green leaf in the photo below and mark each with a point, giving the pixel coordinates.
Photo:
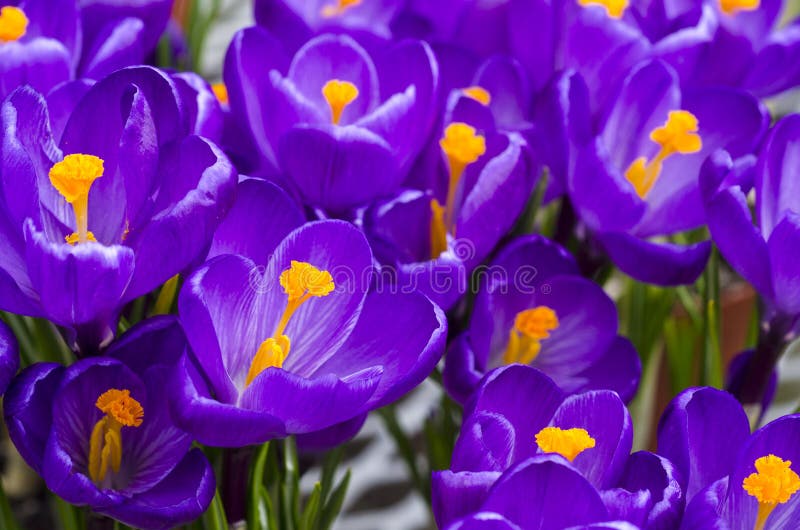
(256, 512)
(712, 353)
(329, 466)
(308, 521)
(334, 505)
(404, 447)
(214, 518)
(6, 515)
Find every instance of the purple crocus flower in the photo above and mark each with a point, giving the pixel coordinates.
(738, 43)
(338, 128)
(517, 416)
(9, 357)
(107, 210)
(286, 335)
(638, 178)
(100, 433)
(763, 253)
(732, 478)
(534, 308)
(46, 42)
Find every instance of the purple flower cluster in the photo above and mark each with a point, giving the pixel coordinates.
(356, 205)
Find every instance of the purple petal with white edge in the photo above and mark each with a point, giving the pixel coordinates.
(665, 264)
(782, 439)
(403, 334)
(180, 498)
(119, 44)
(705, 509)
(455, 495)
(334, 167)
(401, 223)
(204, 109)
(487, 442)
(156, 343)
(645, 471)
(212, 422)
(618, 368)
(308, 405)
(61, 102)
(506, 81)
(510, 392)
(154, 13)
(77, 284)
(484, 521)
(701, 433)
(775, 67)
(262, 215)
(631, 506)
(197, 193)
(41, 63)
(777, 192)
(782, 245)
(603, 415)
(27, 408)
(545, 480)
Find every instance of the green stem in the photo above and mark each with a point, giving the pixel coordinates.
(712, 352)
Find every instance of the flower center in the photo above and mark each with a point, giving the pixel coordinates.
(73, 177)
(339, 94)
(338, 8)
(462, 147)
(773, 483)
(677, 135)
(13, 24)
(731, 7)
(301, 281)
(221, 92)
(105, 445)
(569, 443)
(615, 8)
(531, 327)
(479, 94)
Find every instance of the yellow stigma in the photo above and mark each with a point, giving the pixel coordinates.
(731, 7)
(221, 92)
(531, 327)
(615, 8)
(338, 8)
(479, 94)
(301, 281)
(462, 146)
(339, 94)
(105, 445)
(773, 483)
(677, 136)
(13, 24)
(73, 177)
(569, 443)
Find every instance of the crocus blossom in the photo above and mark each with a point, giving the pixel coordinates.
(286, 335)
(100, 434)
(534, 308)
(107, 210)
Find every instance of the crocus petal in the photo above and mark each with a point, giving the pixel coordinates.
(665, 264)
(261, 217)
(404, 334)
(484, 521)
(331, 436)
(461, 375)
(28, 406)
(118, 44)
(455, 495)
(154, 13)
(617, 369)
(41, 63)
(701, 432)
(487, 442)
(777, 193)
(156, 343)
(657, 476)
(9, 357)
(180, 498)
(545, 504)
(782, 245)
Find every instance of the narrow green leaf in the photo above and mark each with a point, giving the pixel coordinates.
(404, 447)
(332, 508)
(308, 520)
(329, 466)
(712, 353)
(255, 510)
(6, 515)
(291, 484)
(214, 518)
(166, 296)
(271, 516)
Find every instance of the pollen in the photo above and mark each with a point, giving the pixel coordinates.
(773, 483)
(338, 8)
(339, 94)
(13, 24)
(731, 7)
(479, 94)
(569, 443)
(531, 327)
(119, 405)
(615, 8)
(678, 135)
(73, 178)
(303, 279)
(462, 145)
(105, 444)
(220, 92)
